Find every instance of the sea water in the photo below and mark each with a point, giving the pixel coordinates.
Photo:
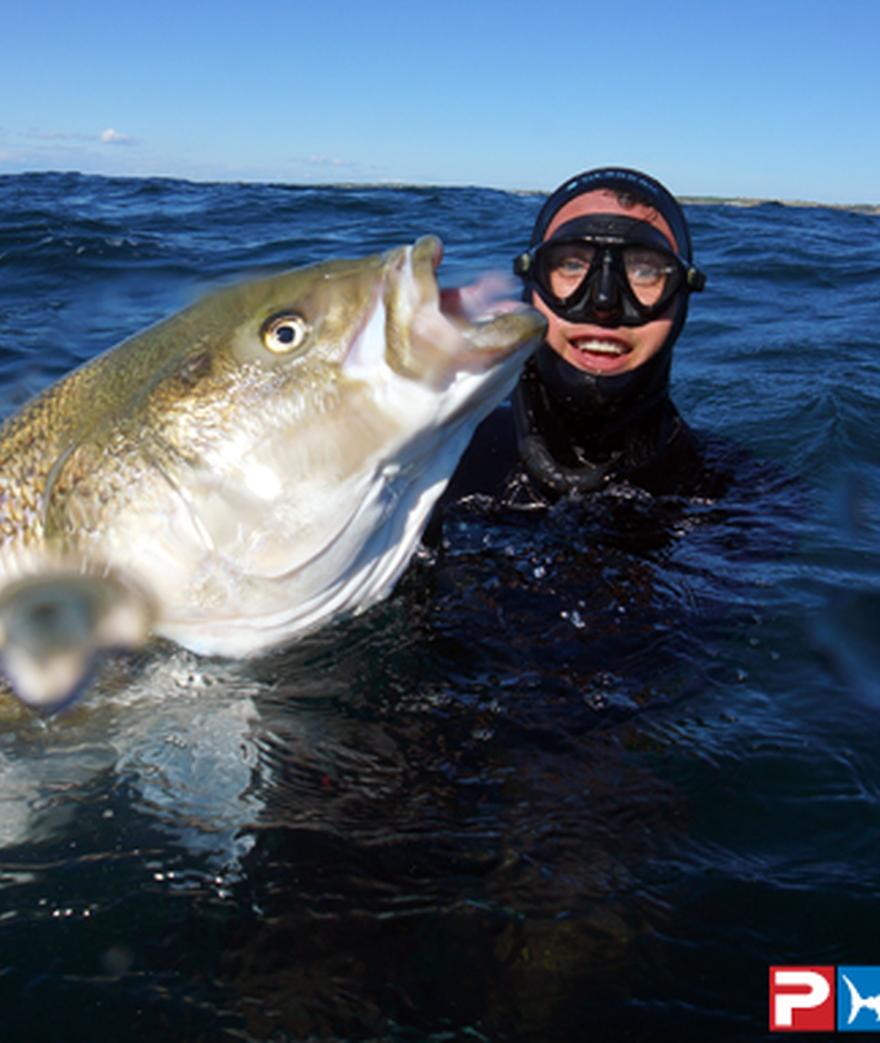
(587, 773)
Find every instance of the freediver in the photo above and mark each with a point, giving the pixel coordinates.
(610, 265)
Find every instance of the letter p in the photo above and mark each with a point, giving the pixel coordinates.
(802, 999)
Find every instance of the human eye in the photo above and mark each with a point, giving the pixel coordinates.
(647, 268)
(568, 267)
(572, 265)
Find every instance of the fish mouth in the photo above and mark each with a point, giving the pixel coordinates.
(466, 329)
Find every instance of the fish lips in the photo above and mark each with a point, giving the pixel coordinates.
(433, 336)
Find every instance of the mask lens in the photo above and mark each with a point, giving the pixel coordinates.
(609, 276)
(652, 275)
(564, 266)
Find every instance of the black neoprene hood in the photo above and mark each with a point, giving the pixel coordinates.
(620, 179)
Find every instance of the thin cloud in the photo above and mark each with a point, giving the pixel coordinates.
(327, 161)
(114, 137)
(56, 135)
(317, 165)
(106, 137)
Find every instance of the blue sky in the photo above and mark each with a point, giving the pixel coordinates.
(778, 99)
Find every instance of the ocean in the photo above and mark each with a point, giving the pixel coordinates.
(586, 776)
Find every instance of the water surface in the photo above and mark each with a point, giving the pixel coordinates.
(583, 777)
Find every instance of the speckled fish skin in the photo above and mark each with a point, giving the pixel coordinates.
(253, 488)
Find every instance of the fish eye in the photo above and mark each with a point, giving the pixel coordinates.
(284, 332)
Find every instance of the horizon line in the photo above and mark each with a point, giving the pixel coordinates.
(695, 200)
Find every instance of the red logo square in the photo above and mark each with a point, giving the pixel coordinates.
(802, 999)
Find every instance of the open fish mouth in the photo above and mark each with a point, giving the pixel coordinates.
(488, 298)
(432, 334)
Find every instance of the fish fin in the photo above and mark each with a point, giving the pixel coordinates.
(53, 624)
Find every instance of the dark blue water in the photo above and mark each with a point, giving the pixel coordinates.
(583, 777)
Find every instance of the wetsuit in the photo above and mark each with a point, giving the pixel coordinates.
(540, 446)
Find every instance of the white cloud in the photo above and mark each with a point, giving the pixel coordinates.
(114, 137)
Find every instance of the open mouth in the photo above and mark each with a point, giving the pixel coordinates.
(465, 328)
(602, 347)
(598, 354)
(481, 301)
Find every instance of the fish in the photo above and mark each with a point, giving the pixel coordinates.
(246, 471)
(859, 1002)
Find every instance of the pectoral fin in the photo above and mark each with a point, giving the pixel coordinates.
(52, 626)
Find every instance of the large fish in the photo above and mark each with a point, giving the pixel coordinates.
(245, 471)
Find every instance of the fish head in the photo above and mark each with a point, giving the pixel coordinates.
(331, 388)
(382, 323)
(357, 386)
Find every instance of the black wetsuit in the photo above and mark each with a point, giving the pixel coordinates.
(535, 449)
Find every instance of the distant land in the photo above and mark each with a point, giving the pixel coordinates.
(744, 201)
(861, 208)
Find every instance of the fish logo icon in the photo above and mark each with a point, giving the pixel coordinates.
(858, 999)
(858, 1002)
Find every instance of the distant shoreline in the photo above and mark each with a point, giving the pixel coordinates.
(861, 208)
(746, 201)
(740, 201)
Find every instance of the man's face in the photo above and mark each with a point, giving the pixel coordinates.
(606, 350)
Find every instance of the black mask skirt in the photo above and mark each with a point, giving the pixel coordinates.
(607, 270)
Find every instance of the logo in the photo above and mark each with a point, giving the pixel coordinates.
(802, 999)
(825, 999)
(858, 999)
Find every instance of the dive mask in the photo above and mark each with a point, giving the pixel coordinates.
(608, 270)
